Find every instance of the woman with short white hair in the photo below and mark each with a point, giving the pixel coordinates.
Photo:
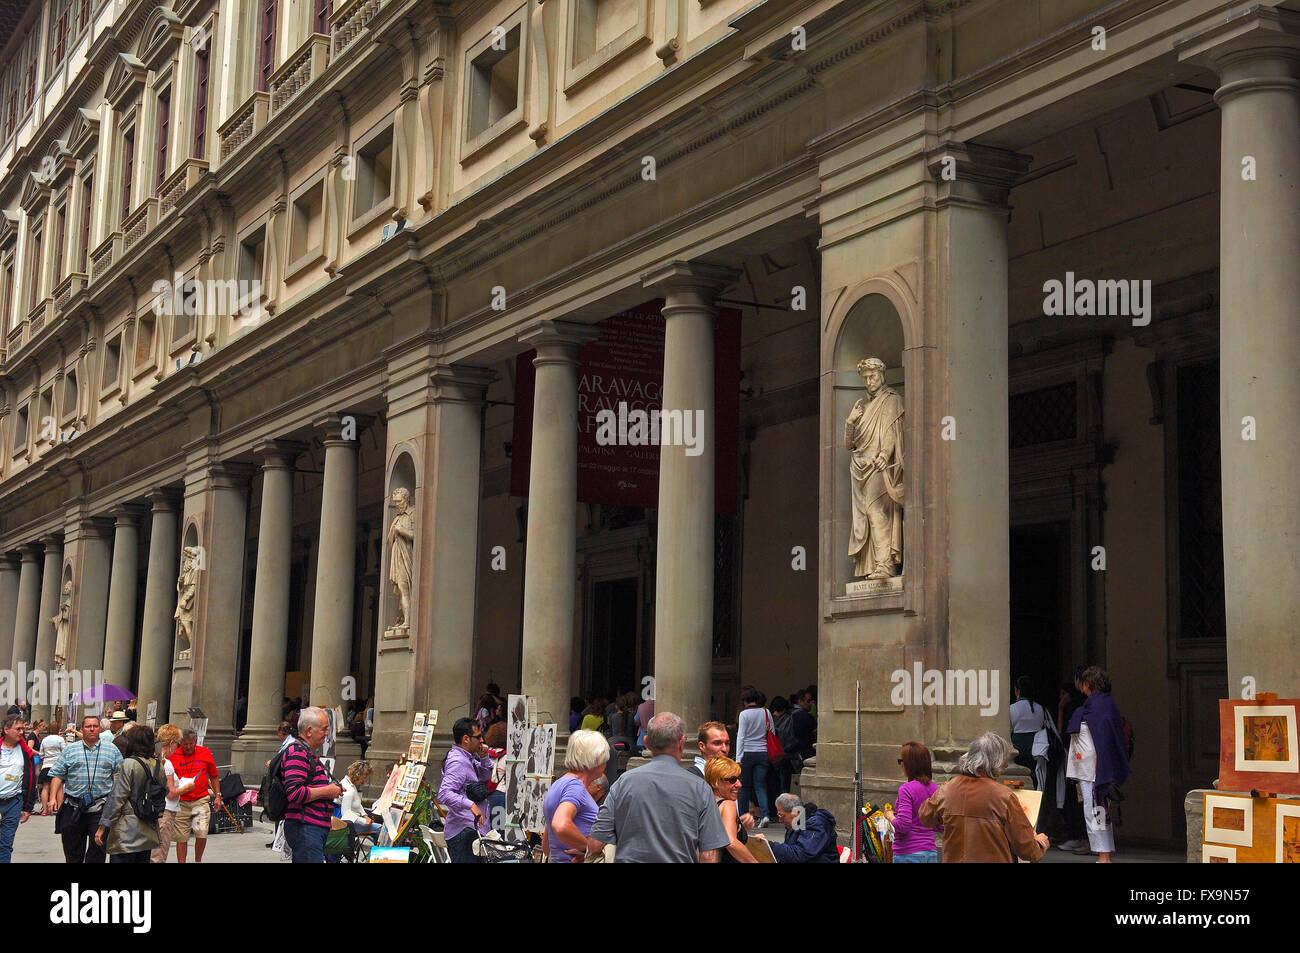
(569, 807)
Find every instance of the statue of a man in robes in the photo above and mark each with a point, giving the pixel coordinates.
(187, 585)
(401, 542)
(874, 437)
(62, 624)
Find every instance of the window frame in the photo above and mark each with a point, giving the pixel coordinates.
(475, 144)
(202, 85)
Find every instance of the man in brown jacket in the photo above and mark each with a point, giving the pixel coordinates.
(982, 819)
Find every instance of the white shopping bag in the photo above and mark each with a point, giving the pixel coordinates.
(1082, 762)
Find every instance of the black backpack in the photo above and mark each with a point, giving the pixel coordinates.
(272, 795)
(150, 801)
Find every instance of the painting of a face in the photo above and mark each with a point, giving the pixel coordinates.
(1265, 738)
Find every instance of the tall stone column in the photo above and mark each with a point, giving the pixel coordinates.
(1256, 53)
(158, 626)
(971, 328)
(550, 564)
(90, 622)
(331, 645)
(9, 573)
(220, 604)
(51, 580)
(119, 638)
(684, 548)
(27, 610)
(270, 608)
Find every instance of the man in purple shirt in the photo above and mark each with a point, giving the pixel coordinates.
(467, 763)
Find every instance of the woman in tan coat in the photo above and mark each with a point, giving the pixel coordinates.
(983, 822)
(131, 839)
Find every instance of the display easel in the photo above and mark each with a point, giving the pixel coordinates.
(398, 798)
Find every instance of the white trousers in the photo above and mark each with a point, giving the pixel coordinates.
(1101, 836)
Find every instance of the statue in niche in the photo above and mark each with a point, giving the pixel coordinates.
(401, 543)
(187, 585)
(62, 623)
(873, 435)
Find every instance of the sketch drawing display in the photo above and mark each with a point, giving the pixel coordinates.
(541, 751)
(516, 727)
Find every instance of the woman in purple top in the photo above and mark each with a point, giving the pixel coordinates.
(570, 809)
(913, 841)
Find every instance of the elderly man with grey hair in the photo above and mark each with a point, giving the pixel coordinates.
(660, 812)
(982, 819)
(810, 833)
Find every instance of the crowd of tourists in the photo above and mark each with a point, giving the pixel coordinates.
(119, 789)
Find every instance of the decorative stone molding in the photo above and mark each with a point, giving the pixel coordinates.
(299, 70)
(348, 22)
(175, 186)
(125, 81)
(243, 123)
(139, 223)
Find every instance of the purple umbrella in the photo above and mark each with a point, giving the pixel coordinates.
(98, 693)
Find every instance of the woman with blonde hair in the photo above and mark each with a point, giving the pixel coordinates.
(723, 775)
(569, 808)
(169, 739)
(353, 811)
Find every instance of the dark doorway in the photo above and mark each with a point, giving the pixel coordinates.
(613, 636)
(1040, 608)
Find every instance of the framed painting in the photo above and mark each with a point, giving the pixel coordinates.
(1259, 748)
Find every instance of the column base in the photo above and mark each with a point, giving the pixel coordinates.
(251, 751)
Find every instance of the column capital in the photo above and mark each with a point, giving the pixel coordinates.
(95, 527)
(52, 541)
(1234, 46)
(230, 476)
(127, 514)
(460, 384)
(30, 553)
(687, 276)
(164, 500)
(279, 454)
(9, 561)
(556, 341)
(340, 429)
(984, 174)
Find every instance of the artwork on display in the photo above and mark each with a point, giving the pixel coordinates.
(199, 722)
(409, 784)
(516, 726)
(422, 736)
(151, 715)
(873, 436)
(1032, 802)
(534, 815)
(389, 855)
(1258, 749)
(1240, 829)
(385, 799)
(541, 751)
(330, 744)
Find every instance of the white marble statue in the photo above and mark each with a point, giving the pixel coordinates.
(187, 585)
(401, 543)
(62, 623)
(873, 435)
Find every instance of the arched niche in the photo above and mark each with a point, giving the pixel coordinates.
(871, 328)
(190, 540)
(401, 476)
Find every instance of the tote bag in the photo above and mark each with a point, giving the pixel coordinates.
(775, 750)
(1082, 763)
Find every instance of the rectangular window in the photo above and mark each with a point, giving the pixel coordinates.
(128, 162)
(494, 84)
(20, 430)
(164, 117)
(60, 237)
(250, 259)
(7, 302)
(83, 14)
(11, 115)
(60, 45)
(266, 60)
(112, 363)
(374, 173)
(87, 194)
(31, 86)
(200, 103)
(305, 228)
(324, 10)
(35, 259)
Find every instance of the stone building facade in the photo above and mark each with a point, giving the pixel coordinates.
(386, 202)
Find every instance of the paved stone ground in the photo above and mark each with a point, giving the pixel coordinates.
(37, 843)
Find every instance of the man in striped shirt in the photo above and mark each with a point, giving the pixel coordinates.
(309, 788)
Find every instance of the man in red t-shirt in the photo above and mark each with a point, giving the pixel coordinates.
(192, 760)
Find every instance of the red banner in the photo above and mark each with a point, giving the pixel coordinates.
(625, 366)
